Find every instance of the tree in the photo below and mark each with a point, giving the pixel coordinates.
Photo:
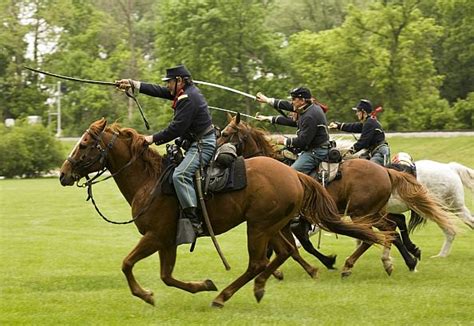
(224, 42)
(383, 54)
(28, 151)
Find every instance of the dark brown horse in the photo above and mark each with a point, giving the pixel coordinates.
(274, 194)
(362, 192)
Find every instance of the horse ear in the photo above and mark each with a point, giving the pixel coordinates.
(237, 118)
(102, 123)
(229, 117)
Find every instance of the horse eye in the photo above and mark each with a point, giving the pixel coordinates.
(224, 134)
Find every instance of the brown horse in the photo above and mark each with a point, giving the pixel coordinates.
(274, 194)
(363, 191)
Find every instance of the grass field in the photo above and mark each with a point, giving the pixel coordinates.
(61, 265)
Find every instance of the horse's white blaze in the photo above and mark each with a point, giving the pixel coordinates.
(77, 145)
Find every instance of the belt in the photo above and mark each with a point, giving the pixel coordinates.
(209, 130)
(325, 145)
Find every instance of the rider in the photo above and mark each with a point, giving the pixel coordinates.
(192, 123)
(312, 137)
(372, 136)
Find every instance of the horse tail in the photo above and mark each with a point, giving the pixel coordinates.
(466, 174)
(418, 200)
(319, 207)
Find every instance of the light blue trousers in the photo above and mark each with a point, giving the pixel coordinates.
(183, 175)
(309, 160)
(381, 155)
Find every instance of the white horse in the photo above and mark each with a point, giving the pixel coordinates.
(444, 181)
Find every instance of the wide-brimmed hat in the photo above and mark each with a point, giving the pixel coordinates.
(364, 105)
(178, 71)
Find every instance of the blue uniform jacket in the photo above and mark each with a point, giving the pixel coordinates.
(371, 132)
(312, 125)
(191, 113)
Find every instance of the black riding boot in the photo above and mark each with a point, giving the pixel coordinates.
(190, 213)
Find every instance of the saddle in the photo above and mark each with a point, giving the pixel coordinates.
(217, 176)
(328, 169)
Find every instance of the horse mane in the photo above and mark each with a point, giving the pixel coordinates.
(151, 158)
(260, 137)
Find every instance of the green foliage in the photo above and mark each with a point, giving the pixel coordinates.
(463, 115)
(224, 42)
(409, 56)
(28, 150)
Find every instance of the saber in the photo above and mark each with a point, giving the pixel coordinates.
(233, 90)
(87, 81)
(230, 111)
(95, 82)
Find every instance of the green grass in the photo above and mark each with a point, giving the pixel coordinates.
(61, 265)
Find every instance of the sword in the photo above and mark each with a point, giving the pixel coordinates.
(230, 111)
(95, 82)
(87, 81)
(233, 90)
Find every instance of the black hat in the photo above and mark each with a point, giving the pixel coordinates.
(178, 71)
(301, 92)
(364, 105)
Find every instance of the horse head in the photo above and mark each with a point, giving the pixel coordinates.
(87, 156)
(234, 133)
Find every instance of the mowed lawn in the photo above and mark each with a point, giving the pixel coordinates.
(61, 264)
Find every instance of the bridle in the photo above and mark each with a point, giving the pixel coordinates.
(82, 165)
(101, 156)
(239, 145)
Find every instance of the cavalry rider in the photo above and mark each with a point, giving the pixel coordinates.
(312, 137)
(372, 136)
(192, 123)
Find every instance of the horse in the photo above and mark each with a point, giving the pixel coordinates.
(363, 191)
(273, 196)
(445, 182)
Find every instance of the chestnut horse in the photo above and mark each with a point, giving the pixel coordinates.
(274, 194)
(363, 191)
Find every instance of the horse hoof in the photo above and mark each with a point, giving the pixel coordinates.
(210, 286)
(346, 274)
(417, 254)
(278, 275)
(331, 262)
(217, 303)
(148, 298)
(389, 270)
(314, 273)
(259, 294)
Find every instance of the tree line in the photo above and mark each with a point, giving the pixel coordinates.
(415, 58)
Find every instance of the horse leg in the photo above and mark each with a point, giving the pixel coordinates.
(448, 241)
(311, 270)
(391, 225)
(351, 260)
(407, 257)
(402, 226)
(167, 262)
(466, 216)
(257, 245)
(301, 230)
(277, 273)
(147, 246)
(283, 249)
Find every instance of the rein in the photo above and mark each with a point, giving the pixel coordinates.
(101, 158)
